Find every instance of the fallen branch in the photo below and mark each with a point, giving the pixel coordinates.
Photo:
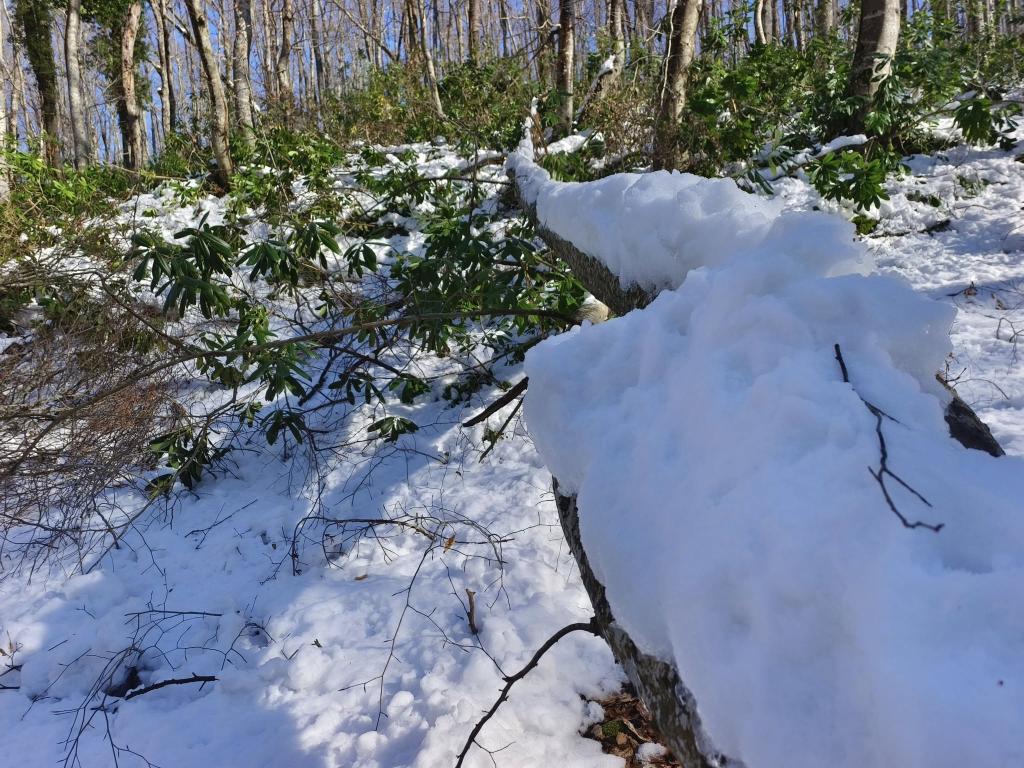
(471, 611)
(510, 680)
(202, 679)
(500, 403)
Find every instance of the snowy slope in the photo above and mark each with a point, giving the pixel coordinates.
(298, 655)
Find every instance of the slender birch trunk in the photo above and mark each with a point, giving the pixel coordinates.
(168, 109)
(316, 21)
(80, 138)
(617, 34)
(566, 69)
(877, 37)
(284, 55)
(242, 83)
(678, 56)
(132, 150)
(5, 129)
(215, 89)
(472, 38)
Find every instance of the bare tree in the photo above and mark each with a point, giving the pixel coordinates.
(419, 49)
(616, 31)
(284, 56)
(678, 56)
(81, 139)
(168, 109)
(36, 26)
(472, 29)
(129, 113)
(566, 68)
(242, 88)
(215, 89)
(4, 116)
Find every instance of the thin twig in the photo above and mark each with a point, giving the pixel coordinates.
(173, 681)
(883, 470)
(500, 403)
(582, 626)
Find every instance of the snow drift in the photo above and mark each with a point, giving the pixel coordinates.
(724, 475)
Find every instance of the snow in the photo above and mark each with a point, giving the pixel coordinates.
(722, 466)
(711, 438)
(302, 659)
(652, 229)
(841, 142)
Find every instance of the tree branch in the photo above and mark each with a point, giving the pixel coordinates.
(510, 680)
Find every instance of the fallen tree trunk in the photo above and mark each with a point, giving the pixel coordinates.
(673, 707)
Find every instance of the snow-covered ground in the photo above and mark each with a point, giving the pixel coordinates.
(361, 654)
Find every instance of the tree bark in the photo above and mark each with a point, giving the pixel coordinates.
(242, 84)
(798, 24)
(472, 33)
(416, 14)
(877, 37)
(681, 45)
(759, 22)
(824, 18)
(316, 22)
(80, 137)
(616, 31)
(5, 129)
(34, 19)
(284, 57)
(215, 89)
(129, 114)
(545, 34)
(168, 109)
(566, 71)
(672, 706)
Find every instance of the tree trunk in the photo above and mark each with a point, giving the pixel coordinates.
(268, 56)
(798, 24)
(824, 18)
(128, 110)
(284, 56)
(416, 13)
(35, 22)
(242, 84)
(471, 31)
(681, 44)
(759, 22)
(566, 71)
(616, 32)
(876, 44)
(215, 89)
(545, 34)
(81, 140)
(5, 129)
(168, 110)
(316, 22)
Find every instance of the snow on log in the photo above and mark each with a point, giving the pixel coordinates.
(793, 562)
